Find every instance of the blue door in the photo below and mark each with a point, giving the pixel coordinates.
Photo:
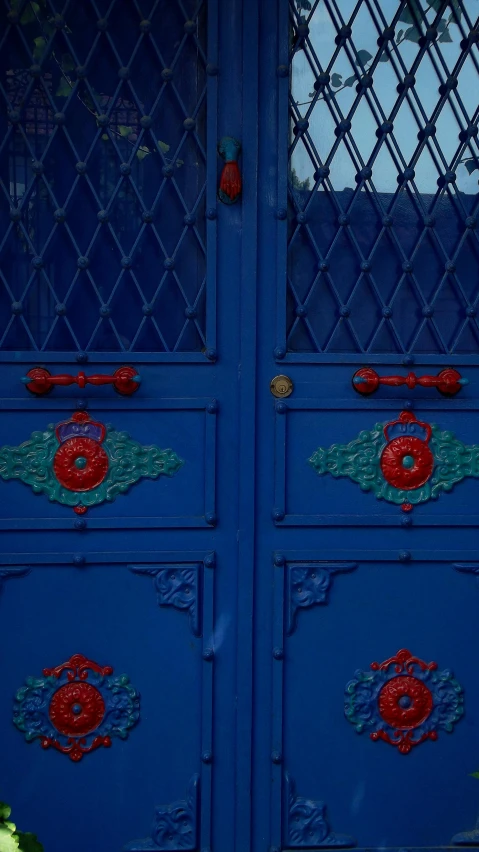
(238, 451)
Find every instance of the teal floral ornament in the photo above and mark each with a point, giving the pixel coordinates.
(405, 461)
(82, 463)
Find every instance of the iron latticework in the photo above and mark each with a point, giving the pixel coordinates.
(383, 248)
(103, 225)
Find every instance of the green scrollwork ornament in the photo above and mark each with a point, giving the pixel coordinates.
(83, 463)
(404, 462)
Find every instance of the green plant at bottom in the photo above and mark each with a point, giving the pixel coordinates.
(12, 840)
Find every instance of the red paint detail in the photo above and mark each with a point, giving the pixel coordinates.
(74, 478)
(405, 688)
(42, 382)
(76, 748)
(407, 478)
(447, 381)
(404, 661)
(407, 507)
(403, 740)
(84, 698)
(77, 667)
(230, 182)
(80, 510)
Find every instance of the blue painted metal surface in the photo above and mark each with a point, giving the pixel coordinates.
(243, 594)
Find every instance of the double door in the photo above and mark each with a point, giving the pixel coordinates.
(238, 450)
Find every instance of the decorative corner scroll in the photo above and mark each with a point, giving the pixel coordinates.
(306, 824)
(76, 707)
(177, 587)
(175, 826)
(308, 584)
(405, 461)
(7, 573)
(82, 463)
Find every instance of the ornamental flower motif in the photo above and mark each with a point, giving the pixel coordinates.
(403, 701)
(76, 707)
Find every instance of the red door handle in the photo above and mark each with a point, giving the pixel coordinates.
(39, 381)
(448, 381)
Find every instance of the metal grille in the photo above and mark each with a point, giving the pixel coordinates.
(383, 252)
(103, 176)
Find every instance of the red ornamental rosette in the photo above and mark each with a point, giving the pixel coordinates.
(406, 461)
(80, 463)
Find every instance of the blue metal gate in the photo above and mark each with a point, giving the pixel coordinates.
(238, 443)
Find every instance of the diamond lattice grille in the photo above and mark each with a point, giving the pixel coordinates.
(383, 179)
(102, 182)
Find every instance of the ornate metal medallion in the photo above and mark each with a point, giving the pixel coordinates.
(405, 461)
(76, 707)
(403, 701)
(82, 463)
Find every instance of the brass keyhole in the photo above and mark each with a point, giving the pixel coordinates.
(281, 386)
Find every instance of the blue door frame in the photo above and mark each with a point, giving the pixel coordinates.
(244, 597)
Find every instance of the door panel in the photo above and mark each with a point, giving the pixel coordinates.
(144, 617)
(139, 469)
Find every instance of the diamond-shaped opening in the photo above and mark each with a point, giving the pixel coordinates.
(148, 263)
(124, 30)
(190, 265)
(321, 130)
(366, 221)
(342, 170)
(426, 177)
(82, 30)
(126, 307)
(405, 131)
(468, 81)
(428, 266)
(448, 224)
(322, 32)
(190, 171)
(39, 308)
(363, 129)
(16, 257)
(83, 308)
(125, 215)
(147, 337)
(426, 88)
(385, 173)
(385, 83)
(386, 266)
(105, 263)
(321, 217)
(106, 338)
(302, 82)
(408, 224)
(303, 263)
(168, 30)
(169, 310)
(467, 266)
(301, 175)
(366, 311)
(447, 133)
(322, 316)
(406, 311)
(426, 340)
(344, 264)
(60, 337)
(449, 310)
(60, 262)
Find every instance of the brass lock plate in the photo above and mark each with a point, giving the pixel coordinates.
(281, 386)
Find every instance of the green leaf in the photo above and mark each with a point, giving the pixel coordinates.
(336, 80)
(5, 811)
(435, 4)
(180, 163)
(407, 15)
(363, 57)
(29, 842)
(474, 774)
(445, 36)
(40, 43)
(30, 13)
(399, 36)
(163, 147)
(412, 34)
(142, 153)
(105, 137)
(8, 841)
(351, 81)
(63, 89)
(472, 165)
(123, 130)
(384, 56)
